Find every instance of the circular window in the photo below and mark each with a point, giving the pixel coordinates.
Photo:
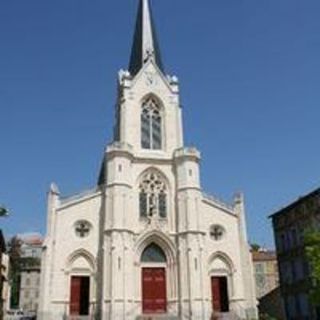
(82, 228)
(217, 232)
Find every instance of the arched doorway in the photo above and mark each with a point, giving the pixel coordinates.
(153, 278)
(221, 282)
(80, 271)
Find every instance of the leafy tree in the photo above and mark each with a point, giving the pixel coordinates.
(3, 211)
(14, 252)
(255, 247)
(312, 247)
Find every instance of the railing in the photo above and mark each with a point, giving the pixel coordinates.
(119, 146)
(188, 151)
(218, 201)
(79, 195)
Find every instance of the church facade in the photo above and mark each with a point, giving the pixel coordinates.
(146, 241)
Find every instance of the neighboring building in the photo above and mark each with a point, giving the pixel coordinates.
(265, 271)
(267, 283)
(29, 289)
(289, 225)
(31, 250)
(31, 246)
(6, 287)
(146, 240)
(2, 271)
(271, 306)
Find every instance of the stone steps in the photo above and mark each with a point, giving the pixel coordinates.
(157, 317)
(225, 316)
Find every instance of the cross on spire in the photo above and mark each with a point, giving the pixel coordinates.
(145, 44)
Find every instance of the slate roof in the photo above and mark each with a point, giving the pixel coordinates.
(145, 43)
(296, 203)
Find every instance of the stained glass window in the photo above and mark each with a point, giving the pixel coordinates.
(152, 195)
(162, 205)
(151, 132)
(143, 204)
(153, 253)
(145, 129)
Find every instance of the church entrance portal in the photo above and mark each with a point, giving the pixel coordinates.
(79, 296)
(220, 299)
(153, 278)
(154, 290)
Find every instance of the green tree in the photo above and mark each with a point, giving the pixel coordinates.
(312, 247)
(3, 211)
(255, 247)
(14, 246)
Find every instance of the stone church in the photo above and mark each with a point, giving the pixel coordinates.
(146, 242)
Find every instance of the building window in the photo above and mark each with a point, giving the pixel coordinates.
(299, 269)
(217, 232)
(260, 281)
(259, 268)
(294, 237)
(151, 125)
(27, 282)
(291, 306)
(82, 228)
(283, 242)
(153, 196)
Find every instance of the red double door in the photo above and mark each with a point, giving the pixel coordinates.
(154, 293)
(79, 295)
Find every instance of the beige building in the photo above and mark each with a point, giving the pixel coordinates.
(31, 251)
(6, 286)
(265, 271)
(31, 245)
(29, 289)
(146, 241)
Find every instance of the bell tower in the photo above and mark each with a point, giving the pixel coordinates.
(148, 113)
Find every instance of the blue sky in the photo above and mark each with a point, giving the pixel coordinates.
(249, 72)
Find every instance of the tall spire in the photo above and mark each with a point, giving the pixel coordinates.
(145, 43)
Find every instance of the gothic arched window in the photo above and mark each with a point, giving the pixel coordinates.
(153, 253)
(153, 195)
(151, 123)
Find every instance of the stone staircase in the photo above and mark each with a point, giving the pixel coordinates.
(157, 317)
(217, 316)
(225, 316)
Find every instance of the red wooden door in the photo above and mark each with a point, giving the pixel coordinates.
(75, 295)
(220, 299)
(154, 295)
(79, 295)
(216, 297)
